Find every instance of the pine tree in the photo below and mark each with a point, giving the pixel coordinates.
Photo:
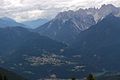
(90, 77)
(0, 76)
(5, 78)
(73, 78)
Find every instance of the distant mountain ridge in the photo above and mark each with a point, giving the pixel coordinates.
(67, 25)
(35, 23)
(8, 22)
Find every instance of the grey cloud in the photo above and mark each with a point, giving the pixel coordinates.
(23, 9)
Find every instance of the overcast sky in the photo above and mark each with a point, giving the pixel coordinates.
(22, 10)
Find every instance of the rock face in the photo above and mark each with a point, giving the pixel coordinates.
(67, 25)
(105, 10)
(102, 34)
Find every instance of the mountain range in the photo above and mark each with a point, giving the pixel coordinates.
(67, 25)
(32, 55)
(72, 44)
